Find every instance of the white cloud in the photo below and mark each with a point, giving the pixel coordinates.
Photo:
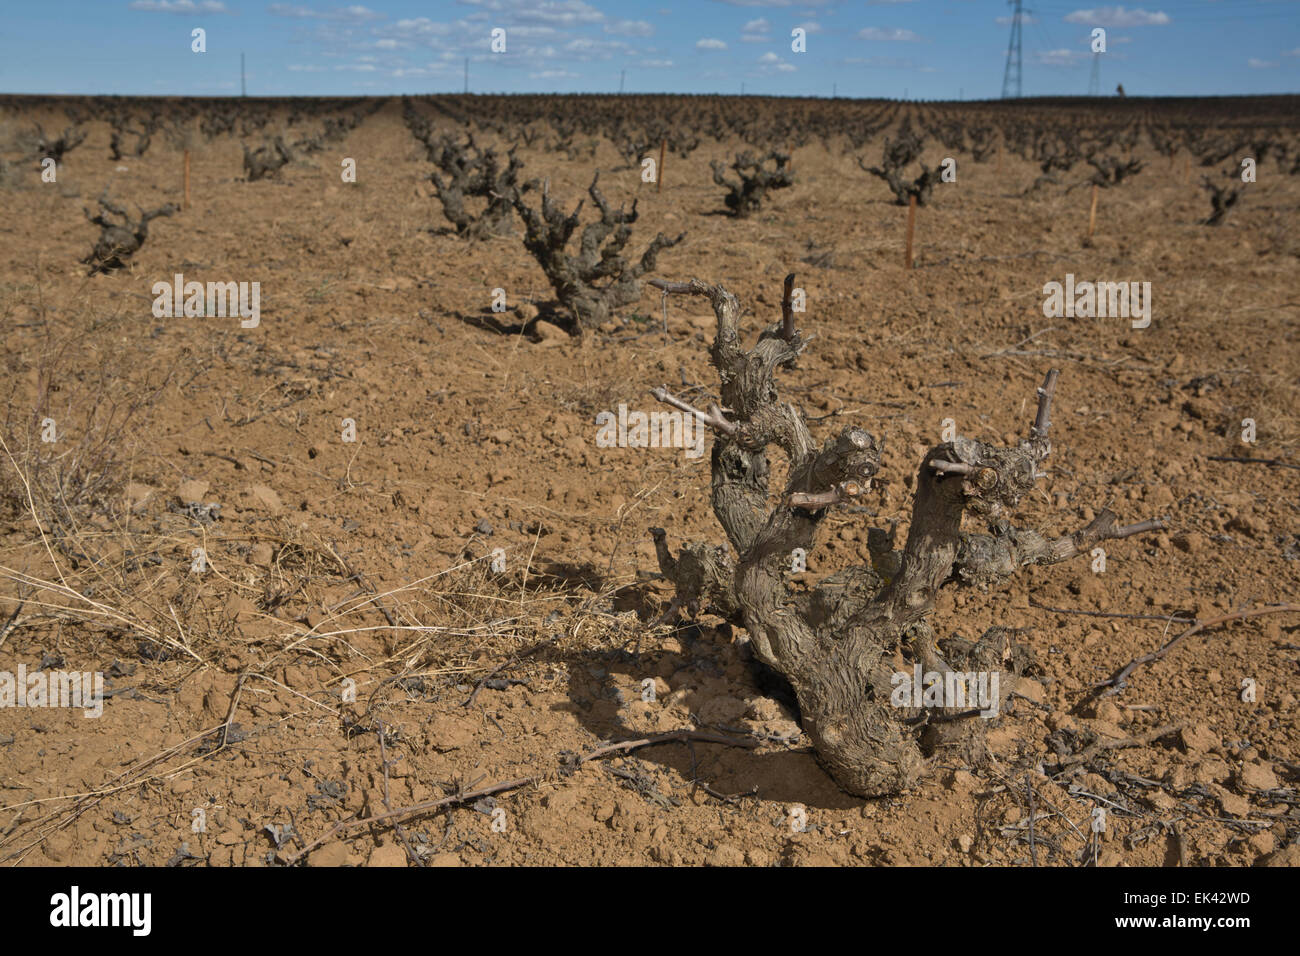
(630, 28)
(553, 75)
(178, 6)
(1024, 18)
(308, 68)
(421, 27)
(778, 3)
(876, 33)
(562, 13)
(708, 43)
(586, 49)
(1257, 64)
(770, 61)
(810, 27)
(1295, 52)
(354, 12)
(1118, 17)
(1059, 57)
(886, 62)
(761, 25)
(656, 64)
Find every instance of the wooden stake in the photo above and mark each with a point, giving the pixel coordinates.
(187, 180)
(659, 178)
(911, 225)
(1092, 213)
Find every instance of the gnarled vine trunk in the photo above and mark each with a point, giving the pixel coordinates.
(842, 644)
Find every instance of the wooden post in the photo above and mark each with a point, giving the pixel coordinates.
(911, 225)
(659, 177)
(1092, 213)
(187, 180)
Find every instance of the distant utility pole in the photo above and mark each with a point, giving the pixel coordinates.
(621, 77)
(1094, 81)
(1012, 75)
(243, 86)
(466, 74)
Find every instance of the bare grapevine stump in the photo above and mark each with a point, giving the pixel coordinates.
(840, 644)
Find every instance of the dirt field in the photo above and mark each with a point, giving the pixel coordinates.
(328, 661)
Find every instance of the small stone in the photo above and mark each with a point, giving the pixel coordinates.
(1162, 801)
(390, 855)
(1287, 856)
(722, 710)
(136, 495)
(192, 490)
(1199, 739)
(1257, 776)
(1108, 711)
(1232, 804)
(1249, 525)
(483, 527)
(1262, 842)
(550, 335)
(1211, 770)
(764, 708)
(265, 497)
(726, 855)
(965, 842)
(1030, 689)
(961, 781)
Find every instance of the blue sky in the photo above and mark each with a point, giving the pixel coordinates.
(922, 49)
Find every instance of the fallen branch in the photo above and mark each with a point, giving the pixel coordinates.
(1118, 682)
(1131, 617)
(508, 664)
(1101, 746)
(622, 746)
(1271, 462)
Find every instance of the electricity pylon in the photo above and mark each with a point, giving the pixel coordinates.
(1013, 87)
